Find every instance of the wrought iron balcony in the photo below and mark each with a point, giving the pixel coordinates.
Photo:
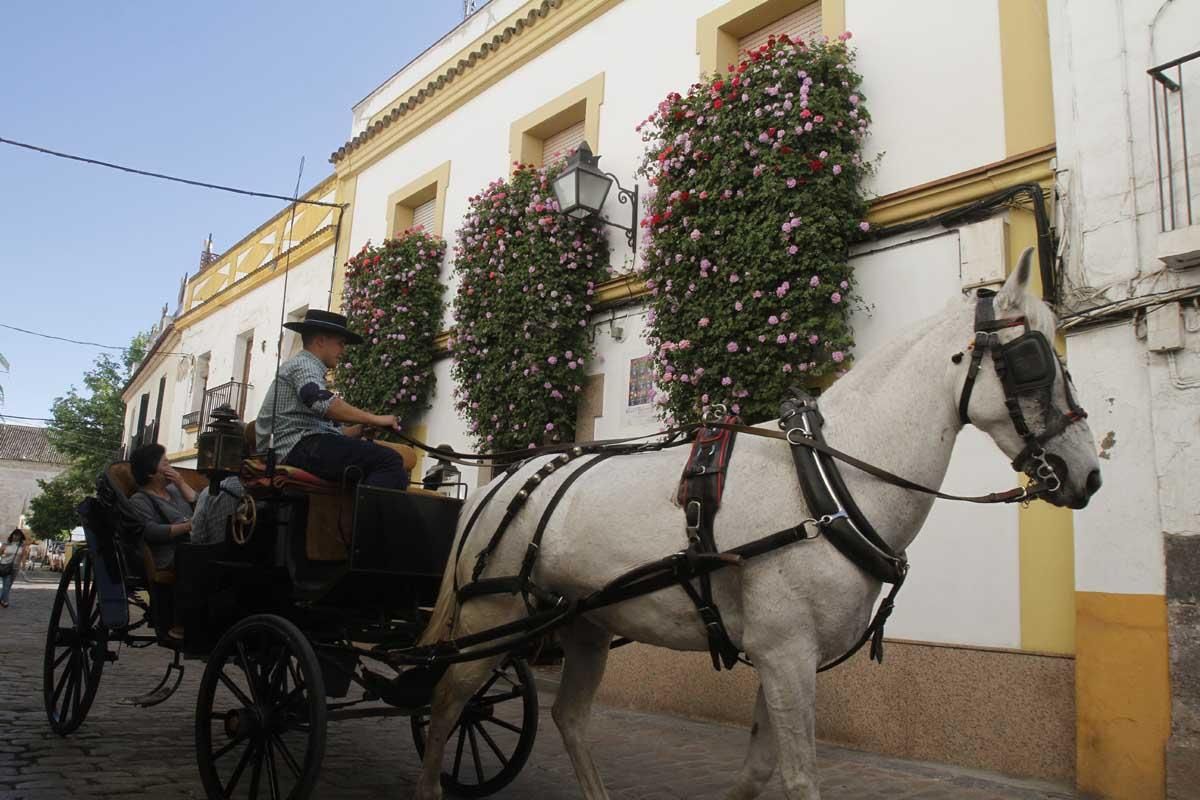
(1174, 152)
(191, 420)
(232, 394)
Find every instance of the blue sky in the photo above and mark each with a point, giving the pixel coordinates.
(232, 93)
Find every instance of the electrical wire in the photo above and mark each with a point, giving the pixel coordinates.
(202, 184)
(82, 342)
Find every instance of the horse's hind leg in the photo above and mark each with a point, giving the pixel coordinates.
(585, 652)
(456, 687)
(761, 756)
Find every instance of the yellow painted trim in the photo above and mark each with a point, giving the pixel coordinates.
(929, 199)
(718, 32)
(182, 455)
(1025, 72)
(252, 280)
(468, 73)
(580, 104)
(1122, 695)
(430, 186)
(347, 188)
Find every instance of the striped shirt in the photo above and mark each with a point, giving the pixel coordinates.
(304, 399)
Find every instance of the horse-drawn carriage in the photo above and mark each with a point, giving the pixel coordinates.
(293, 614)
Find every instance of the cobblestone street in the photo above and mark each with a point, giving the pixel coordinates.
(122, 751)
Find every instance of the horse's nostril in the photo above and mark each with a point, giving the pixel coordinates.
(1093, 482)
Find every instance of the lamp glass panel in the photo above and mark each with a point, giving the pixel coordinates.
(565, 187)
(580, 213)
(593, 189)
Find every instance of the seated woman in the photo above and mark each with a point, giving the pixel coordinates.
(163, 500)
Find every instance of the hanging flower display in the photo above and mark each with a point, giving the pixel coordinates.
(393, 295)
(756, 194)
(526, 275)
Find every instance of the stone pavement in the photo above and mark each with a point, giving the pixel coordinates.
(124, 752)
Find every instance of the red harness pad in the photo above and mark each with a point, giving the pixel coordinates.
(704, 474)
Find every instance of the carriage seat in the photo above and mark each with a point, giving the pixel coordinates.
(120, 475)
(254, 469)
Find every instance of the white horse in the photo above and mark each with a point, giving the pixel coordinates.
(790, 610)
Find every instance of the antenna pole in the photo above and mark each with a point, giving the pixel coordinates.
(282, 316)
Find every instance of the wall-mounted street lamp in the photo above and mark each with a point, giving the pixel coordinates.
(581, 189)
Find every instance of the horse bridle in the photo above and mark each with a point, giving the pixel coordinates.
(1026, 368)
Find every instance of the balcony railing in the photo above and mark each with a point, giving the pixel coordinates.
(232, 394)
(191, 420)
(1173, 150)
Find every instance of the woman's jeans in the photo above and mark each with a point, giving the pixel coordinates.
(8, 581)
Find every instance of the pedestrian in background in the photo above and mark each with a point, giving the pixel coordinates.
(12, 556)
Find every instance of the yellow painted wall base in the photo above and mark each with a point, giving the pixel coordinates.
(1122, 695)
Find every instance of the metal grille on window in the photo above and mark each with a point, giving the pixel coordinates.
(560, 144)
(423, 216)
(802, 24)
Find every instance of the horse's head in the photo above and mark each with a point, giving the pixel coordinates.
(1012, 386)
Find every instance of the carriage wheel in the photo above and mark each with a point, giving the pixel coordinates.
(494, 734)
(76, 642)
(260, 714)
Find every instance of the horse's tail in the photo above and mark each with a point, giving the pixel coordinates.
(445, 610)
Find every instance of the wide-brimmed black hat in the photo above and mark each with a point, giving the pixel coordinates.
(317, 321)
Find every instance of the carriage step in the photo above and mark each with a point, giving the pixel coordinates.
(165, 688)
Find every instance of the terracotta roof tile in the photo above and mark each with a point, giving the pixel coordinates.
(27, 443)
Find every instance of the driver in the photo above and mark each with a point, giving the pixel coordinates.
(307, 415)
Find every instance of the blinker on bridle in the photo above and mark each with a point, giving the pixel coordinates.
(1025, 367)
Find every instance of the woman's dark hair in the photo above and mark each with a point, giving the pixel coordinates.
(17, 533)
(144, 462)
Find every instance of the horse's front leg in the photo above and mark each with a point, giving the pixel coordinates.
(788, 682)
(454, 690)
(585, 653)
(761, 756)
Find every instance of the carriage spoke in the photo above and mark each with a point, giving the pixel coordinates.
(233, 687)
(238, 770)
(504, 724)
(244, 663)
(487, 737)
(66, 652)
(77, 689)
(499, 698)
(475, 752)
(63, 680)
(70, 609)
(256, 773)
(462, 739)
(271, 773)
(229, 746)
(286, 754)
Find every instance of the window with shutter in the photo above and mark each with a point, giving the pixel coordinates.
(422, 215)
(557, 146)
(804, 23)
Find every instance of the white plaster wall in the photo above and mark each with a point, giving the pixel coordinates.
(932, 81)
(168, 366)
(18, 486)
(1118, 540)
(259, 309)
(964, 584)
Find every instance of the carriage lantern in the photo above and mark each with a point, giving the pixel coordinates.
(220, 448)
(581, 189)
(443, 477)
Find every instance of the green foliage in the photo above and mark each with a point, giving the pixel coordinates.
(52, 512)
(525, 275)
(394, 297)
(86, 428)
(757, 193)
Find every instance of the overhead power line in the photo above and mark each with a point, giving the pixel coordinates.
(202, 184)
(81, 341)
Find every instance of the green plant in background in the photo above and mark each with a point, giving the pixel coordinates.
(756, 179)
(393, 296)
(526, 274)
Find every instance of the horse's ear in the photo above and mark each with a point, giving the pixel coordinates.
(1012, 294)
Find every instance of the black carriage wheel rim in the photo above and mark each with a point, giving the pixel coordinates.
(260, 717)
(75, 644)
(484, 751)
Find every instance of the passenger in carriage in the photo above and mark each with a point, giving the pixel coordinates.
(316, 430)
(163, 500)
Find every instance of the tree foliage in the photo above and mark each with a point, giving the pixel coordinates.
(756, 195)
(86, 428)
